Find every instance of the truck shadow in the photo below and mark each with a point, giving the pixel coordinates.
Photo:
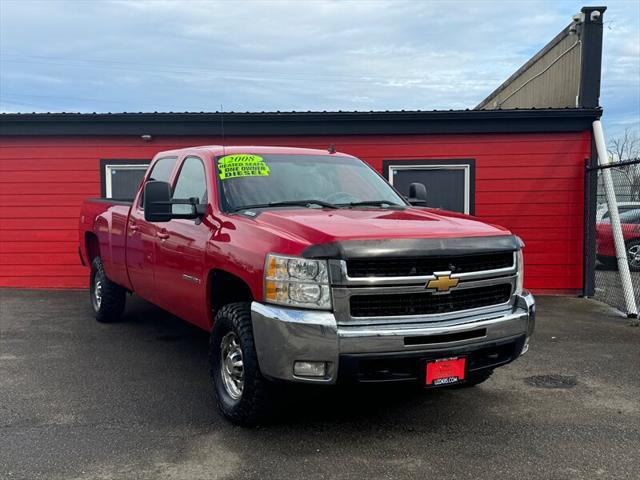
(167, 340)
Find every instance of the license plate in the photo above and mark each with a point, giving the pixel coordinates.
(445, 371)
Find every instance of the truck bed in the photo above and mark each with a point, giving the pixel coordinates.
(103, 222)
(109, 201)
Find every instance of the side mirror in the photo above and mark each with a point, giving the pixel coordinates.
(157, 201)
(417, 194)
(158, 204)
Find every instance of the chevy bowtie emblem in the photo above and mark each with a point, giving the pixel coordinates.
(443, 282)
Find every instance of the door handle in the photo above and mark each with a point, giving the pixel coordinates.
(133, 226)
(162, 234)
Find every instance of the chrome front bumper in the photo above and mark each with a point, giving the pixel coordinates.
(285, 335)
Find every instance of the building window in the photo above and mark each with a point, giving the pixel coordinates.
(120, 178)
(450, 183)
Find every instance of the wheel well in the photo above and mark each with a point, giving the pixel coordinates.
(92, 246)
(224, 288)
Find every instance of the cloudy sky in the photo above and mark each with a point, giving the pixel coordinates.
(163, 55)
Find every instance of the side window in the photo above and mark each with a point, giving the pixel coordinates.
(161, 171)
(191, 182)
(626, 209)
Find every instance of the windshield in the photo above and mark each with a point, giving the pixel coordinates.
(252, 181)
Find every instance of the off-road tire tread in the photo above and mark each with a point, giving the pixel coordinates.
(254, 404)
(113, 295)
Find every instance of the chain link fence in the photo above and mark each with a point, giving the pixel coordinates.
(626, 182)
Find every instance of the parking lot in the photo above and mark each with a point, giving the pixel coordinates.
(83, 400)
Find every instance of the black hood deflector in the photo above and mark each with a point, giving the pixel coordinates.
(420, 247)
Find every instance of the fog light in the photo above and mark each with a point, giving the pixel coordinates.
(309, 369)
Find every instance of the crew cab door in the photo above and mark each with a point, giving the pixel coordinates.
(181, 249)
(142, 236)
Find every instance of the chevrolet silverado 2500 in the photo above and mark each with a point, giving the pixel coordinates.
(307, 266)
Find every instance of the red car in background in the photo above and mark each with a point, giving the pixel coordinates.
(606, 252)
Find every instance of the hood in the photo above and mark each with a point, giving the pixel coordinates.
(313, 226)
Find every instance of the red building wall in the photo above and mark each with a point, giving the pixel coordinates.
(529, 183)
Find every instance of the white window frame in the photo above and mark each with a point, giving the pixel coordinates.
(108, 173)
(435, 166)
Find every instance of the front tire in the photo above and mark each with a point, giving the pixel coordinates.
(107, 298)
(241, 390)
(633, 255)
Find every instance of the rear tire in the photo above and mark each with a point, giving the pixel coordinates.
(242, 392)
(107, 298)
(474, 379)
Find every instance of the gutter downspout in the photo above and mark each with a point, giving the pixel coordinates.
(616, 227)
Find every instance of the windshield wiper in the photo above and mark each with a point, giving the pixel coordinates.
(373, 203)
(289, 203)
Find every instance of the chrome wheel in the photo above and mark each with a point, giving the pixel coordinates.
(633, 256)
(231, 365)
(97, 292)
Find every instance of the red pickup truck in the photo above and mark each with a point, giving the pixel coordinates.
(307, 266)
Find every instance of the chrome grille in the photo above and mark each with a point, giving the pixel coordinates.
(394, 290)
(426, 303)
(404, 267)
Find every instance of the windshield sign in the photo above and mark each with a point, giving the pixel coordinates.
(233, 166)
(314, 181)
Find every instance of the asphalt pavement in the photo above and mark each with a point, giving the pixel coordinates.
(132, 400)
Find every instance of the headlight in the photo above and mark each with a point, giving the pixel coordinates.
(298, 282)
(520, 273)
